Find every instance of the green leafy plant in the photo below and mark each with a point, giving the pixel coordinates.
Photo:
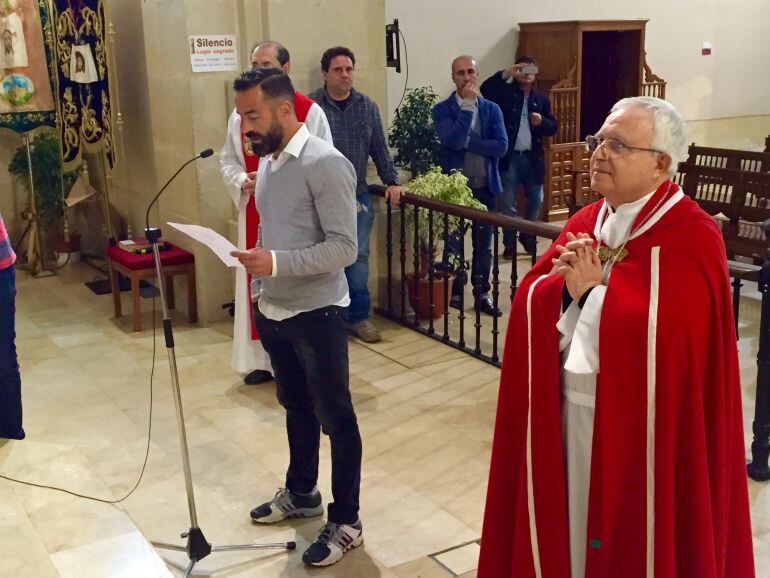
(449, 188)
(412, 133)
(47, 174)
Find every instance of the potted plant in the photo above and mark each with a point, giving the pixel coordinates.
(449, 188)
(412, 133)
(49, 184)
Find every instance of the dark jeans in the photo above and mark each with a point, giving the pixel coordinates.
(309, 353)
(521, 172)
(10, 380)
(481, 237)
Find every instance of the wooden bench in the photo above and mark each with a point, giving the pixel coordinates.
(735, 159)
(175, 261)
(738, 200)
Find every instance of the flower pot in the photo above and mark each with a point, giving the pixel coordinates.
(67, 251)
(71, 246)
(420, 299)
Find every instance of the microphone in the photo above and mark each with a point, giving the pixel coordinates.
(156, 233)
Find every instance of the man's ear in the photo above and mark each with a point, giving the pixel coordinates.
(284, 108)
(663, 163)
(286, 67)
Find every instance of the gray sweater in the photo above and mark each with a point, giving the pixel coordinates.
(307, 211)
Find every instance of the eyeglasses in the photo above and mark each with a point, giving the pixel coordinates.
(613, 147)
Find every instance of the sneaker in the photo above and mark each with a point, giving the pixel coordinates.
(365, 331)
(332, 543)
(287, 505)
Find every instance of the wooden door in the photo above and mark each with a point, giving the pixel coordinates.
(611, 70)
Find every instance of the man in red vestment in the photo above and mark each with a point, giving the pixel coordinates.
(618, 447)
(239, 169)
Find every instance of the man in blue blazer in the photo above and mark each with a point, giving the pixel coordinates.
(473, 138)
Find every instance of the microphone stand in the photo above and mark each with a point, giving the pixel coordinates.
(197, 546)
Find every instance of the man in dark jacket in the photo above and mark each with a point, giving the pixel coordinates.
(528, 119)
(473, 138)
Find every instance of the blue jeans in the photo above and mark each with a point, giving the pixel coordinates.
(358, 273)
(481, 263)
(10, 380)
(521, 172)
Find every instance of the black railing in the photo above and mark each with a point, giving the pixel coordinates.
(427, 286)
(424, 301)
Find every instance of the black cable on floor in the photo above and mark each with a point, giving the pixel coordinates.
(146, 452)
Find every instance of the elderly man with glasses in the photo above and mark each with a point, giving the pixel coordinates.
(620, 375)
(238, 165)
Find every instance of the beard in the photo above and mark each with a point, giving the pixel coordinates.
(265, 144)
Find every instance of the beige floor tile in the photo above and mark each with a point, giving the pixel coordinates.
(461, 560)
(124, 556)
(421, 568)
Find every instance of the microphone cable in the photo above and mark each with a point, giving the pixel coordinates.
(146, 451)
(202, 155)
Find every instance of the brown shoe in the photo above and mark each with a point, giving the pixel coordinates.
(365, 331)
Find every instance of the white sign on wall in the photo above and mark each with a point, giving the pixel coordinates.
(213, 53)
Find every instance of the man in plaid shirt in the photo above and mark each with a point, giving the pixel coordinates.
(10, 381)
(358, 134)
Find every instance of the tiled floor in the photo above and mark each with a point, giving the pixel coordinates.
(426, 414)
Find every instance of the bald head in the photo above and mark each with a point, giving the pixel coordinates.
(270, 54)
(463, 61)
(464, 73)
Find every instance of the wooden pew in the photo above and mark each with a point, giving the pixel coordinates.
(750, 161)
(739, 201)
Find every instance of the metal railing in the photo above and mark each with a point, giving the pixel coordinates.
(427, 286)
(438, 322)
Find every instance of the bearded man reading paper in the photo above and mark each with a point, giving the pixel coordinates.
(618, 446)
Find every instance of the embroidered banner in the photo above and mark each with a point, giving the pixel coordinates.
(26, 65)
(83, 80)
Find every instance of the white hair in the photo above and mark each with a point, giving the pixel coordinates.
(669, 133)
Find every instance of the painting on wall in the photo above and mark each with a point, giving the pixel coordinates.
(26, 65)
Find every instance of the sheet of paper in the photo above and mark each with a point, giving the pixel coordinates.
(213, 240)
(80, 191)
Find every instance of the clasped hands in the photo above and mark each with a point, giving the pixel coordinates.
(579, 264)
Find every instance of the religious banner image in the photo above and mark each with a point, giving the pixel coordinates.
(83, 80)
(26, 98)
(82, 66)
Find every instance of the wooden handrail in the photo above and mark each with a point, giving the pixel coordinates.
(538, 228)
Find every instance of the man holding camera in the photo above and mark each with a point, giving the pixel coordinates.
(528, 118)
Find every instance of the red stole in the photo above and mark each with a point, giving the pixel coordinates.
(684, 358)
(302, 106)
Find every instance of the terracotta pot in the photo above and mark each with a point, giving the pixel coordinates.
(420, 300)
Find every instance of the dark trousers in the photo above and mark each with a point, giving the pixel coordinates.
(481, 237)
(10, 381)
(309, 354)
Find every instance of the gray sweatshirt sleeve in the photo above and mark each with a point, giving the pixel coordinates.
(334, 195)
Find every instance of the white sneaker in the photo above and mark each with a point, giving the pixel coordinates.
(287, 505)
(332, 543)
